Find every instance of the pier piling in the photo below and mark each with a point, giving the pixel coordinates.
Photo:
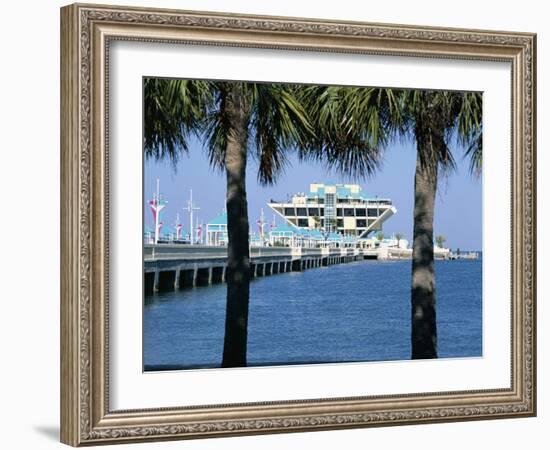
(195, 276)
(148, 282)
(166, 280)
(156, 281)
(169, 267)
(177, 279)
(203, 276)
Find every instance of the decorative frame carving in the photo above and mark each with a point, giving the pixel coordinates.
(86, 31)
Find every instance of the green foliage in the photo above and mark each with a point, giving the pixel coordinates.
(455, 114)
(279, 122)
(176, 110)
(346, 128)
(440, 240)
(317, 221)
(350, 127)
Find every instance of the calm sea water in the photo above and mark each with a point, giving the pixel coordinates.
(349, 312)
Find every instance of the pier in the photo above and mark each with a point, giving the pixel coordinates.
(176, 266)
(168, 267)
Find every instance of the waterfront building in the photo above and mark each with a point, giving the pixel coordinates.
(329, 215)
(216, 230)
(255, 240)
(167, 235)
(340, 208)
(393, 242)
(279, 235)
(283, 236)
(286, 235)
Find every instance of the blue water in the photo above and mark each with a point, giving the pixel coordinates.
(349, 312)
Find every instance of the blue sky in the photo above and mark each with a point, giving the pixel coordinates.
(458, 205)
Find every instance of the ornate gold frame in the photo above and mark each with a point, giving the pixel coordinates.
(86, 31)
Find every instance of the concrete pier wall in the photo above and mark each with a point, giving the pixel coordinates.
(169, 267)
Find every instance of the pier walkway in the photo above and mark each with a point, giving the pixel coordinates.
(169, 266)
(172, 266)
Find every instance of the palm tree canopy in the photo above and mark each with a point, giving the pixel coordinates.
(457, 114)
(347, 128)
(352, 126)
(176, 110)
(173, 111)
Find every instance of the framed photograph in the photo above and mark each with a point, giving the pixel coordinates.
(276, 224)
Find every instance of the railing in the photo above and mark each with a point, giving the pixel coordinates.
(168, 251)
(171, 252)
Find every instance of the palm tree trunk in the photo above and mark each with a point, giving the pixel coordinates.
(424, 331)
(238, 258)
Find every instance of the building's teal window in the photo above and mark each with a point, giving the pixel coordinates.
(313, 212)
(372, 212)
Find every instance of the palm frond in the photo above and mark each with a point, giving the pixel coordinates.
(216, 129)
(174, 109)
(352, 127)
(279, 123)
(470, 128)
(475, 153)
